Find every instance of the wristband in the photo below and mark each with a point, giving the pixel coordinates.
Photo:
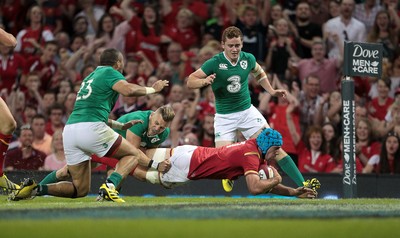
(116, 125)
(150, 163)
(153, 164)
(150, 90)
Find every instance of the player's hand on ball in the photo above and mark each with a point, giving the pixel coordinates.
(131, 123)
(164, 166)
(303, 192)
(160, 84)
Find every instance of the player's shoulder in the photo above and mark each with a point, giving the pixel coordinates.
(136, 115)
(247, 55)
(108, 70)
(249, 144)
(216, 58)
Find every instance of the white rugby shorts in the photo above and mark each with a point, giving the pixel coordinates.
(248, 122)
(180, 163)
(83, 139)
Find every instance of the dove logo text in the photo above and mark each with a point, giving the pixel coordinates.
(360, 52)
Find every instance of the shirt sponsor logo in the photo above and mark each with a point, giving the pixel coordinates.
(154, 140)
(223, 66)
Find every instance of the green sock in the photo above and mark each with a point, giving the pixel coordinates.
(290, 168)
(42, 189)
(50, 178)
(115, 178)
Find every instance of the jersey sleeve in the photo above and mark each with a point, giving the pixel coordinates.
(137, 129)
(113, 77)
(208, 66)
(252, 163)
(252, 61)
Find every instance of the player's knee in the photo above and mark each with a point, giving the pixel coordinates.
(80, 191)
(83, 192)
(62, 174)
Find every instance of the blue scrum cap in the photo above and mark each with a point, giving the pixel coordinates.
(267, 138)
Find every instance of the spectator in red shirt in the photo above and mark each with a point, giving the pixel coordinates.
(388, 161)
(149, 31)
(366, 146)
(337, 166)
(312, 157)
(32, 90)
(182, 31)
(11, 68)
(207, 135)
(44, 64)
(25, 157)
(171, 9)
(207, 105)
(378, 106)
(32, 38)
(55, 122)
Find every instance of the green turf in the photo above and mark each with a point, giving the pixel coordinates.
(200, 217)
(362, 228)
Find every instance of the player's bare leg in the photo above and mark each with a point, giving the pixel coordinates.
(7, 127)
(79, 187)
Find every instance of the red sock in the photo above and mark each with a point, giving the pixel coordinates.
(4, 142)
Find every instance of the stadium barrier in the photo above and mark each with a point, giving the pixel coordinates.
(369, 186)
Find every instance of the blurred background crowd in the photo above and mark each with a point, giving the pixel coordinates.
(299, 44)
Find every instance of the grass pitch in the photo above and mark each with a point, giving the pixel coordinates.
(200, 217)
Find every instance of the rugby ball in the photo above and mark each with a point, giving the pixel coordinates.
(265, 172)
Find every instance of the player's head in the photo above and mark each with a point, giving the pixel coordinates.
(232, 42)
(268, 138)
(160, 119)
(112, 57)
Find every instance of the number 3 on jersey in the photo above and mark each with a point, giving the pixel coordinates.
(86, 86)
(234, 86)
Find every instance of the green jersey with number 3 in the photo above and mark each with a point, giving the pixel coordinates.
(230, 85)
(141, 129)
(96, 98)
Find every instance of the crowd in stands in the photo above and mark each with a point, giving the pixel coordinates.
(299, 43)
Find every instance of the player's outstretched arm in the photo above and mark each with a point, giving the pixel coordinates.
(123, 126)
(145, 161)
(300, 192)
(262, 78)
(132, 90)
(257, 186)
(199, 79)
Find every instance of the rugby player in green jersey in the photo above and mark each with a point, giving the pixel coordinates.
(152, 130)
(89, 131)
(227, 73)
